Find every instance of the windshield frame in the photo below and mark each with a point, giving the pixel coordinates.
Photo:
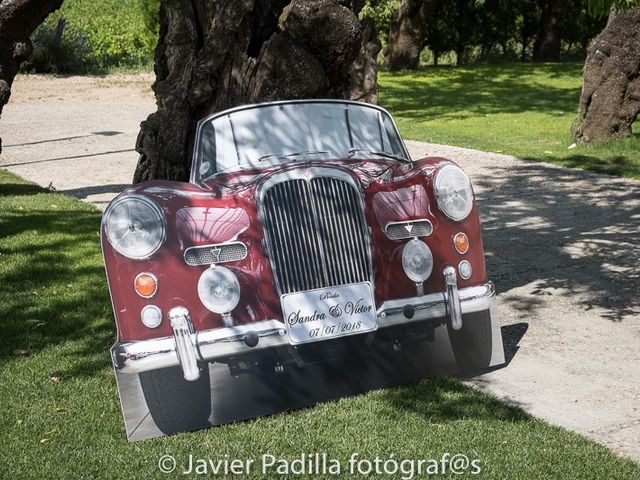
(195, 178)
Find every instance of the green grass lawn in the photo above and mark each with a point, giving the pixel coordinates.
(60, 410)
(518, 109)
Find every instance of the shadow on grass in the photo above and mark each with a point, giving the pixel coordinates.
(444, 399)
(618, 165)
(52, 285)
(477, 91)
(15, 189)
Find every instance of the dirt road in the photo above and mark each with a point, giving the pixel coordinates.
(563, 247)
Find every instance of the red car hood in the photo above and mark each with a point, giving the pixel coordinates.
(366, 170)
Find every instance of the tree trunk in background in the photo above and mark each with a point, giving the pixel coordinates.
(214, 55)
(406, 34)
(364, 71)
(18, 20)
(610, 99)
(549, 40)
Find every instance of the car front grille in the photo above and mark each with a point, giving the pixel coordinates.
(316, 233)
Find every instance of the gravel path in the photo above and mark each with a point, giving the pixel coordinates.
(563, 247)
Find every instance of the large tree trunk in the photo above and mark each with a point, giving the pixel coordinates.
(407, 32)
(547, 47)
(217, 54)
(18, 20)
(364, 71)
(610, 99)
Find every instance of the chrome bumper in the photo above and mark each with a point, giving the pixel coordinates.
(186, 347)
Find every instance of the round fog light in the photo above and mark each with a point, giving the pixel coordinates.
(417, 260)
(151, 316)
(219, 289)
(464, 269)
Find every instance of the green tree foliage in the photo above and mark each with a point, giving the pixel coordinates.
(380, 12)
(479, 30)
(151, 16)
(96, 36)
(599, 8)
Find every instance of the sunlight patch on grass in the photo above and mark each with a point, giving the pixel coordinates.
(517, 109)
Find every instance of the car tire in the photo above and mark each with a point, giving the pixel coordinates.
(472, 344)
(175, 404)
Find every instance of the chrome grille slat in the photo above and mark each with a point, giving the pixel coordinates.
(318, 272)
(316, 233)
(361, 254)
(349, 272)
(294, 205)
(359, 258)
(335, 261)
(280, 242)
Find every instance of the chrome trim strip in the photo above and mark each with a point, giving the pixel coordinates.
(220, 343)
(433, 305)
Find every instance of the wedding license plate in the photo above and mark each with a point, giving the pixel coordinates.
(330, 312)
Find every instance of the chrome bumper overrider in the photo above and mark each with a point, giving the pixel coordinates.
(187, 347)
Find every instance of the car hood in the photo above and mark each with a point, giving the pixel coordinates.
(223, 207)
(365, 170)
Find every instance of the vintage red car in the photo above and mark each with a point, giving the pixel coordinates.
(305, 229)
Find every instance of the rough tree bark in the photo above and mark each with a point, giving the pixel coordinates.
(548, 43)
(18, 20)
(610, 99)
(217, 54)
(364, 70)
(407, 32)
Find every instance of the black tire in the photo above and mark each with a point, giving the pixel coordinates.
(175, 404)
(472, 344)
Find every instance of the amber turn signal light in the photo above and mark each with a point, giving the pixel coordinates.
(146, 284)
(461, 242)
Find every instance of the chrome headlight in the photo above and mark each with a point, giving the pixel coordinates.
(219, 289)
(135, 226)
(453, 192)
(417, 260)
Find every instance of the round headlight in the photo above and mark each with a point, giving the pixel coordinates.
(454, 193)
(219, 289)
(417, 260)
(134, 226)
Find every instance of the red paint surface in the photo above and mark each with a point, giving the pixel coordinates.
(225, 208)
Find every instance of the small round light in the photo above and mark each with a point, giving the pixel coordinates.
(461, 242)
(146, 284)
(151, 316)
(219, 289)
(464, 269)
(417, 260)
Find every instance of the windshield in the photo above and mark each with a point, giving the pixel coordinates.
(283, 132)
